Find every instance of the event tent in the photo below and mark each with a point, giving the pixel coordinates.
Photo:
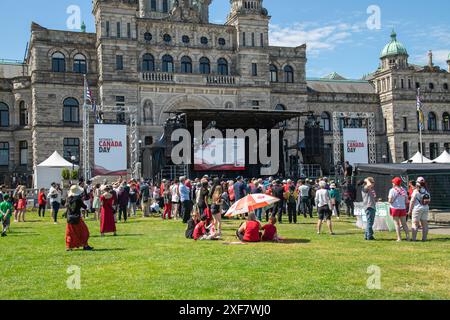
(436, 175)
(443, 158)
(50, 171)
(418, 159)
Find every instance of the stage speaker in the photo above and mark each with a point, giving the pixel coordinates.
(314, 141)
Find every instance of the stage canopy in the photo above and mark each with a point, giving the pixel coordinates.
(50, 171)
(240, 119)
(404, 168)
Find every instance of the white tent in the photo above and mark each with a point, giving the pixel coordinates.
(418, 159)
(50, 171)
(443, 158)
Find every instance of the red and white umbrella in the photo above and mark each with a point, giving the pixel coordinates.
(251, 203)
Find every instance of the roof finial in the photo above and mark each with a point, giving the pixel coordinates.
(393, 34)
(83, 27)
(430, 59)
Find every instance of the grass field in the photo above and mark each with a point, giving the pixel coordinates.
(151, 259)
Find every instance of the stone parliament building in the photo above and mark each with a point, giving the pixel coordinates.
(165, 55)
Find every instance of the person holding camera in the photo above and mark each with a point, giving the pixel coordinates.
(370, 205)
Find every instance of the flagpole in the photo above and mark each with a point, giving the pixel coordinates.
(421, 123)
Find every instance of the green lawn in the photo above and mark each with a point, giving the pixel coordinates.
(151, 259)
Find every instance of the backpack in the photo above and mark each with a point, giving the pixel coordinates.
(73, 215)
(425, 199)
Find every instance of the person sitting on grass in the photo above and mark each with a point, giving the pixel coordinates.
(270, 231)
(192, 224)
(6, 212)
(200, 229)
(249, 231)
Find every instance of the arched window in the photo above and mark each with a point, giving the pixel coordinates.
(167, 63)
(222, 67)
(205, 66)
(280, 107)
(432, 122)
(71, 112)
(325, 122)
(23, 114)
(289, 74)
(148, 63)
(79, 64)
(446, 121)
(186, 65)
(229, 105)
(4, 115)
(58, 62)
(273, 73)
(148, 112)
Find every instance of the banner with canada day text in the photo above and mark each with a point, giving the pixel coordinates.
(110, 150)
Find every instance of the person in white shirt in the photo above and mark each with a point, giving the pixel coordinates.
(54, 195)
(397, 198)
(174, 191)
(419, 209)
(323, 203)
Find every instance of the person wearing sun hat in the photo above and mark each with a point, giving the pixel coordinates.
(77, 233)
(398, 198)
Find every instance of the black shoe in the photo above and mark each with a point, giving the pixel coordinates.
(371, 239)
(3, 235)
(88, 248)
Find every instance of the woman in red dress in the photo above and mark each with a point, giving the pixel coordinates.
(107, 225)
(77, 233)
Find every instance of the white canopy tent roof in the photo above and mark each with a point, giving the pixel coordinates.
(443, 158)
(50, 171)
(56, 161)
(418, 159)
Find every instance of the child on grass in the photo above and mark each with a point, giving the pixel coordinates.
(6, 211)
(200, 229)
(270, 231)
(192, 224)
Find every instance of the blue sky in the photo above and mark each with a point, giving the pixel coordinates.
(336, 31)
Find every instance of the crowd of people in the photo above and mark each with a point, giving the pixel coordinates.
(202, 204)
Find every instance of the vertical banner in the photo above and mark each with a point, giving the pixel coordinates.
(110, 150)
(356, 148)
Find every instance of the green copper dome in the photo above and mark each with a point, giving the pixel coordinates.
(393, 48)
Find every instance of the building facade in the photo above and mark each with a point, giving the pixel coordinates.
(165, 55)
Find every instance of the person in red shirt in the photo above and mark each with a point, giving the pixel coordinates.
(42, 201)
(200, 229)
(250, 230)
(270, 231)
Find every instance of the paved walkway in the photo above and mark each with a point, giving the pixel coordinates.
(440, 230)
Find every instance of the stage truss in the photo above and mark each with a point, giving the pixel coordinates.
(337, 134)
(132, 113)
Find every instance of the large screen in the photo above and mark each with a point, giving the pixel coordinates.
(355, 146)
(110, 150)
(219, 155)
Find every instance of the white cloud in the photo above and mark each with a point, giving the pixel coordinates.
(318, 39)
